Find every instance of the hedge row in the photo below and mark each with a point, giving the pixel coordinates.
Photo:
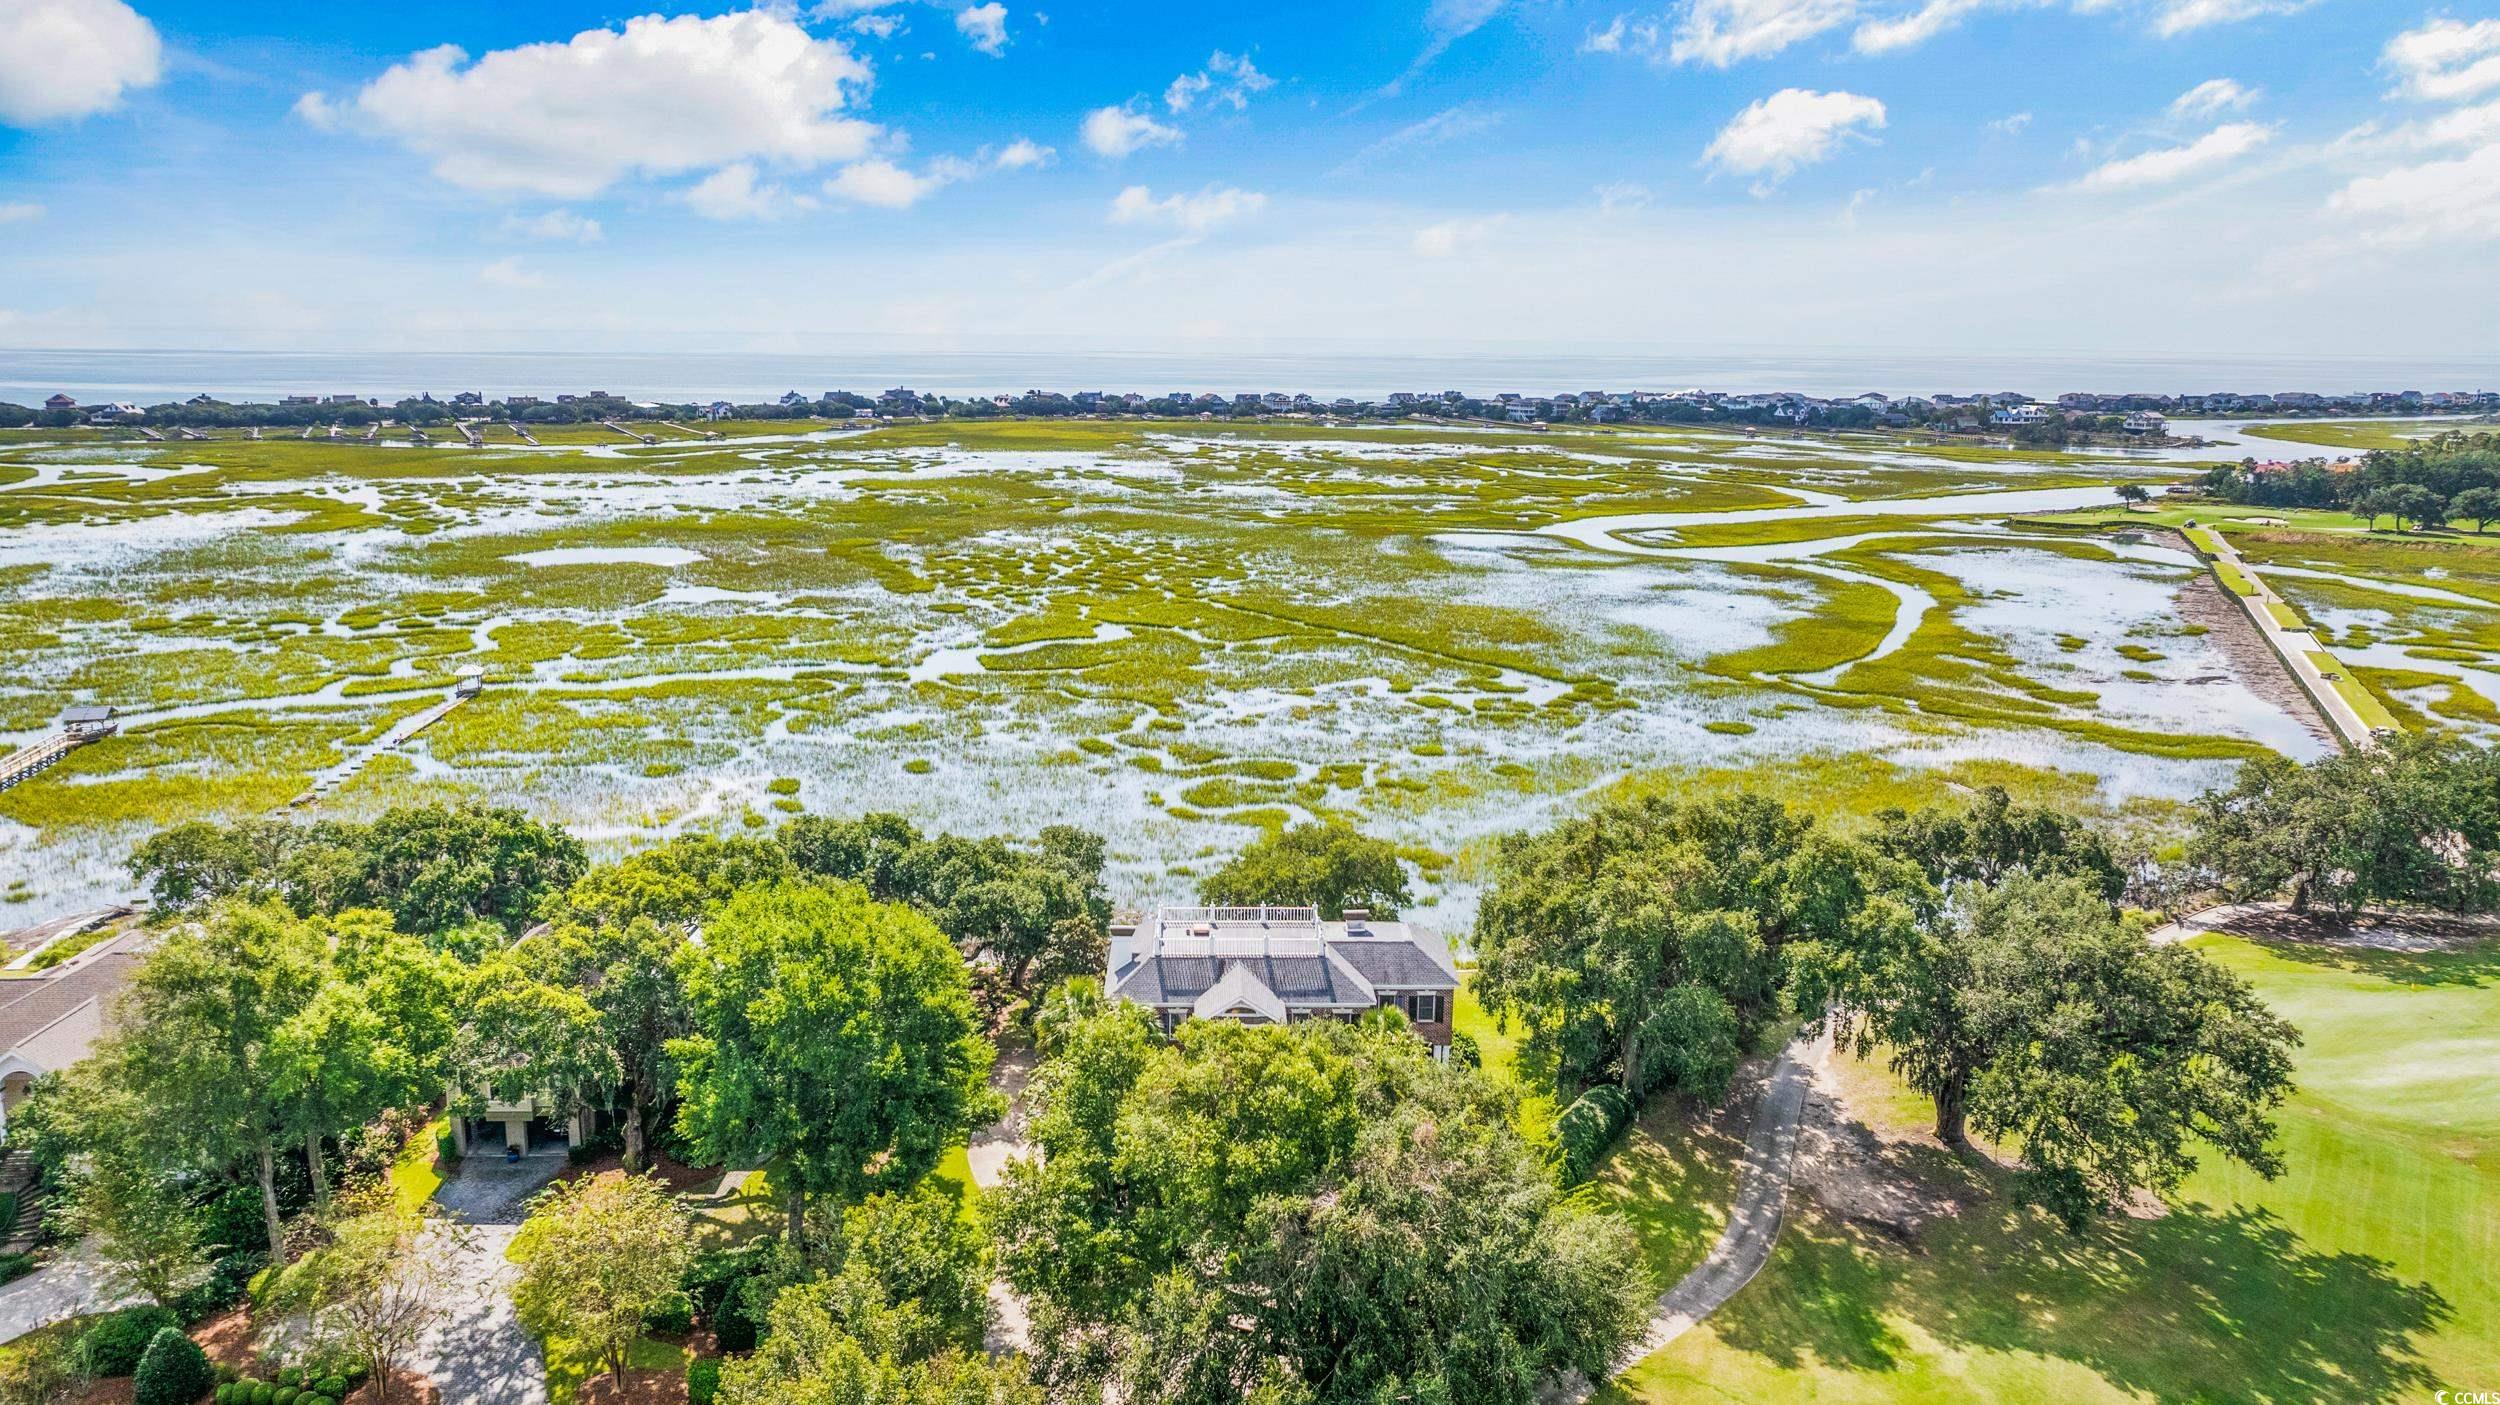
(1585, 1129)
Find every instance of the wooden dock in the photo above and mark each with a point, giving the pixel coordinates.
(391, 740)
(634, 434)
(706, 433)
(523, 430)
(26, 763)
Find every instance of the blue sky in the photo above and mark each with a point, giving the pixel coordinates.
(2125, 176)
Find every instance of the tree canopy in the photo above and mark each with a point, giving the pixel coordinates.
(2029, 1009)
(1037, 909)
(1326, 866)
(432, 867)
(2414, 820)
(1642, 944)
(1318, 1212)
(833, 1032)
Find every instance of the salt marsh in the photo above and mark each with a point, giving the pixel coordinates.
(1174, 634)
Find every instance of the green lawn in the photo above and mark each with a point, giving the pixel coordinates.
(1500, 1051)
(2369, 1271)
(571, 1363)
(415, 1176)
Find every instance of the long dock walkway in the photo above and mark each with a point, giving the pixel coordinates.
(28, 762)
(2320, 674)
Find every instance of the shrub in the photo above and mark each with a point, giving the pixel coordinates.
(284, 1395)
(224, 1394)
(1585, 1129)
(334, 1387)
(717, 1284)
(702, 1380)
(263, 1393)
(446, 1149)
(291, 1375)
(1463, 1050)
(114, 1344)
(228, 1283)
(173, 1371)
(674, 1317)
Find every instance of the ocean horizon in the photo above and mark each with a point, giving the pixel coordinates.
(156, 376)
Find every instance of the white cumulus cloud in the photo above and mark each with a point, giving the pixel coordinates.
(555, 226)
(1024, 154)
(734, 193)
(2177, 17)
(2446, 59)
(1195, 214)
(881, 183)
(1884, 36)
(1724, 32)
(2219, 147)
(2212, 96)
(662, 96)
(1116, 132)
(1791, 128)
(1453, 237)
(18, 211)
(985, 26)
(1228, 79)
(2432, 202)
(508, 273)
(65, 59)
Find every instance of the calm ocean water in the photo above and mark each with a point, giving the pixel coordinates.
(152, 377)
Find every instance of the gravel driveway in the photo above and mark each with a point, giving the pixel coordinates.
(479, 1354)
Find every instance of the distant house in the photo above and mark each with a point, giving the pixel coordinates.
(2020, 415)
(2146, 422)
(60, 402)
(1282, 965)
(112, 409)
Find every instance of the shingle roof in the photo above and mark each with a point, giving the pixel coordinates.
(31, 1005)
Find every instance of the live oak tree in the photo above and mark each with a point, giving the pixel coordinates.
(1319, 1213)
(432, 867)
(1991, 837)
(201, 1043)
(1642, 944)
(2029, 1011)
(598, 1256)
(2481, 506)
(835, 1036)
(625, 978)
(1327, 866)
(1038, 910)
(2414, 820)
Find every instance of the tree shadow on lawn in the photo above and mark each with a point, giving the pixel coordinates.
(2416, 949)
(2200, 1304)
(2473, 966)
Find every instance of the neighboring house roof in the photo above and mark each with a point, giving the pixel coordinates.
(50, 1021)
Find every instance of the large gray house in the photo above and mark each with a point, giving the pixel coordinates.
(1279, 965)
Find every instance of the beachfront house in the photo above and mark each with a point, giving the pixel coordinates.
(1283, 965)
